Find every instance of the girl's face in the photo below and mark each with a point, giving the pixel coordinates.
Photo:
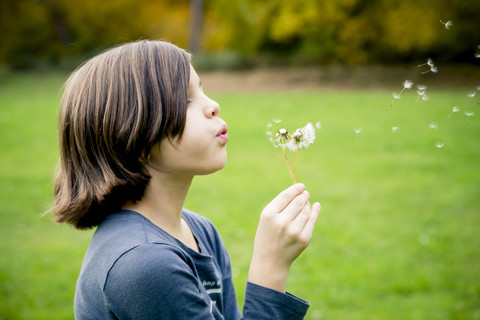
(202, 148)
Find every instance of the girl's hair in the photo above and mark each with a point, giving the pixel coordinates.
(115, 108)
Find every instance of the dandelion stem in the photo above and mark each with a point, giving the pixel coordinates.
(295, 168)
(288, 165)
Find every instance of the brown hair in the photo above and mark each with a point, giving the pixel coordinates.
(114, 109)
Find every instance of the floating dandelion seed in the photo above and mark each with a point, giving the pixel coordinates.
(471, 94)
(357, 132)
(394, 129)
(425, 97)
(469, 114)
(447, 24)
(432, 126)
(432, 66)
(406, 85)
(318, 125)
(421, 92)
(277, 120)
(439, 146)
(429, 63)
(454, 109)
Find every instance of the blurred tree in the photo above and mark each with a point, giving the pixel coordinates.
(196, 17)
(301, 31)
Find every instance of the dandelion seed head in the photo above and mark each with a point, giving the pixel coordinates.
(434, 69)
(421, 87)
(469, 113)
(425, 97)
(269, 125)
(430, 62)
(448, 24)
(433, 125)
(439, 145)
(302, 138)
(277, 120)
(455, 109)
(471, 94)
(281, 138)
(357, 130)
(394, 129)
(396, 95)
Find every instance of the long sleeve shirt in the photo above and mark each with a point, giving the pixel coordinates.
(135, 270)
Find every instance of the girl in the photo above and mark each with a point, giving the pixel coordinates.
(135, 128)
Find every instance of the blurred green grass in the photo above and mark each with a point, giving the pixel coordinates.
(398, 235)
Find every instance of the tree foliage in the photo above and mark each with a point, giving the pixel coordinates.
(345, 31)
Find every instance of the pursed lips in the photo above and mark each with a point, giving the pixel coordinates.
(222, 133)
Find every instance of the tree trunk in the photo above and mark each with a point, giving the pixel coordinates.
(196, 15)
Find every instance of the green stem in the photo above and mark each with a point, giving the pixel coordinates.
(288, 165)
(295, 168)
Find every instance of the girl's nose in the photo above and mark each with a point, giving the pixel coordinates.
(213, 109)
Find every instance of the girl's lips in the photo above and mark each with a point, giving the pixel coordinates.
(222, 133)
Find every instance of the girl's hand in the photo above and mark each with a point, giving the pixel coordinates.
(284, 231)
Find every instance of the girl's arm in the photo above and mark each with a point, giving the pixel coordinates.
(284, 231)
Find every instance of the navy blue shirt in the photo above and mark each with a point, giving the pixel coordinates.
(135, 270)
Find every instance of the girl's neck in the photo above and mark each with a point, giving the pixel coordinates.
(163, 200)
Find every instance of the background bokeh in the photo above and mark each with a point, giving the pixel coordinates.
(241, 33)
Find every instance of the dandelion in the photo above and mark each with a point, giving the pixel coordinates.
(302, 138)
(447, 24)
(469, 114)
(406, 85)
(454, 109)
(432, 126)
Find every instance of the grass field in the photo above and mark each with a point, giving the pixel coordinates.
(398, 237)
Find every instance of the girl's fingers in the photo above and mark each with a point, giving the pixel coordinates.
(312, 220)
(298, 223)
(284, 198)
(296, 206)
